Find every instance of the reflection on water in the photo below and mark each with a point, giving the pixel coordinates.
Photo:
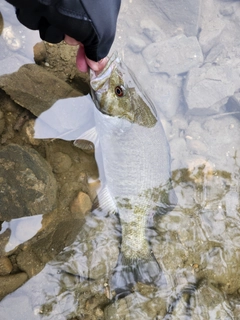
(21, 230)
(197, 245)
(16, 41)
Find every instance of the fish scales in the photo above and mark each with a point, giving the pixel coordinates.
(135, 158)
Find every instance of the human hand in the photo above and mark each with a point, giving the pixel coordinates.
(91, 23)
(82, 61)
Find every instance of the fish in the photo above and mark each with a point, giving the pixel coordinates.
(134, 164)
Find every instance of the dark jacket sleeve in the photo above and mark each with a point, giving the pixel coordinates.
(103, 14)
(92, 22)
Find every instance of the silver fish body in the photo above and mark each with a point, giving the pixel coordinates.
(134, 157)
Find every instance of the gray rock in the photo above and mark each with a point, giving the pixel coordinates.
(216, 54)
(173, 56)
(27, 184)
(222, 137)
(211, 34)
(212, 25)
(136, 44)
(208, 88)
(152, 31)
(183, 14)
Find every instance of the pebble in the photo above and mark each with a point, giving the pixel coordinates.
(5, 266)
(61, 162)
(29, 131)
(81, 205)
(40, 52)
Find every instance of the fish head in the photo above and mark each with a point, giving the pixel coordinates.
(117, 93)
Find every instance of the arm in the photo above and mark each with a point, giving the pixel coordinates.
(90, 22)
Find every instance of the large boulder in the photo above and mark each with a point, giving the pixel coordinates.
(27, 184)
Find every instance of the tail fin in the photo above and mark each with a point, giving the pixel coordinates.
(128, 272)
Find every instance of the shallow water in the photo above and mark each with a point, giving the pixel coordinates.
(194, 85)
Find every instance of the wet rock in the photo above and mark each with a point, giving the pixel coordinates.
(208, 88)
(35, 89)
(5, 266)
(220, 266)
(47, 244)
(136, 306)
(27, 183)
(212, 303)
(152, 31)
(181, 13)
(164, 94)
(10, 283)
(40, 52)
(61, 162)
(28, 130)
(221, 136)
(95, 252)
(81, 204)
(173, 56)
(179, 150)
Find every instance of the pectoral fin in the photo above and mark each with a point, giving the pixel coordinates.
(90, 135)
(105, 201)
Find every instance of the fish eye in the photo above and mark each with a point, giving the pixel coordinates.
(120, 91)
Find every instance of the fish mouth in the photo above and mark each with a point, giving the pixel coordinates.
(97, 81)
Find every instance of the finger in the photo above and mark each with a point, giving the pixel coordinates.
(97, 66)
(81, 59)
(71, 41)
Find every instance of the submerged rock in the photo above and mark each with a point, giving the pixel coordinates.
(27, 184)
(81, 204)
(209, 87)
(183, 14)
(173, 56)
